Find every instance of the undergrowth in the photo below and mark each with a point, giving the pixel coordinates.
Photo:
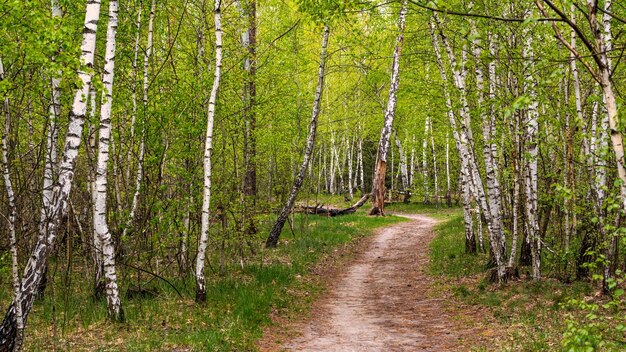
(240, 301)
(549, 315)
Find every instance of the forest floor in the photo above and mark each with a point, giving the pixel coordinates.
(383, 300)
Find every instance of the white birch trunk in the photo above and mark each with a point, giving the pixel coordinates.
(19, 318)
(340, 171)
(52, 136)
(604, 40)
(208, 148)
(461, 146)
(133, 118)
(333, 165)
(494, 227)
(320, 170)
(350, 148)
(272, 239)
(393, 175)
(516, 193)
(425, 162)
(104, 136)
(97, 243)
(448, 194)
(531, 128)
(404, 173)
(412, 167)
(326, 178)
(435, 176)
(361, 171)
(37, 262)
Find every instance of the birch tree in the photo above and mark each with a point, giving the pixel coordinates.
(378, 181)
(100, 204)
(530, 174)
(404, 173)
(272, 239)
(8, 185)
(461, 146)
(52, 137)
(494, 224)
(38, 259)
(208, 148)
(142, 143)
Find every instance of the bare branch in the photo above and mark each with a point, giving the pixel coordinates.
(477, 15)
(560, 37)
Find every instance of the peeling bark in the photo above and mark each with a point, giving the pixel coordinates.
(378, 189)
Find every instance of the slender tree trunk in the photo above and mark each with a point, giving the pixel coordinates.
(100, 207)
(604, 40)
(272, 239)
(98, 269)
(38, 260)
(142, 144)
(470, 239)
(320, 169)
(350, 149)
(326, 172)
(435, 176)
(333, 151)
(208, 148)
(133, 119)
(361, 170)
(580, 118)
(412, 167)
(8, 184)
(378, 189)
(448, 194)
(339, 171)
(516, 191)
(250, 183)
(52, 136)
(404, 173)
(489, 146)
(425, 162)
(532, 150)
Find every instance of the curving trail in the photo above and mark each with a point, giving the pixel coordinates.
(381, 301)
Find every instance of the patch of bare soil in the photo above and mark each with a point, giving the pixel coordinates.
(383, 301)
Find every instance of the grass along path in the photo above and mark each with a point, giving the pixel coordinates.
(522, 315)
(240, 302)
(278, 287)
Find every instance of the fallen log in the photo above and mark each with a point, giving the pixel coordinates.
(320, 210)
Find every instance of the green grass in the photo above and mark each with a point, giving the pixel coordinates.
(529, 316)
(441, 213)
(447, 257)
(239, 303)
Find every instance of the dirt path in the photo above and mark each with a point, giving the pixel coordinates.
(382, 301)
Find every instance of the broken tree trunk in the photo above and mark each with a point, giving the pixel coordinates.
(378, 181)
(317, 210)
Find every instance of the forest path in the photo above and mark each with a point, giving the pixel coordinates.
(382, 301)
